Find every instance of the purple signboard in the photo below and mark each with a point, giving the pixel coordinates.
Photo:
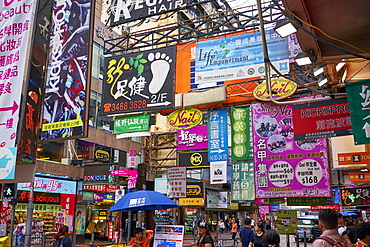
(284, 167)
(194, 138)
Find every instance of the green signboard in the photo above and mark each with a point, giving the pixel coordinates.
(241, 144)
(242, 184)
(358, 93)
(131, 123)
(287, 222)
(312, 201)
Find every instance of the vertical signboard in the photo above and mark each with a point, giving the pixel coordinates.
(131, 159)
(359, 103)
(284, 167)
(287, 222)
(67, 86)
(218, 172)
(141, 81)
(176, 182)
(217, 135)
(242, 181)
(15, 30)
(241, 135)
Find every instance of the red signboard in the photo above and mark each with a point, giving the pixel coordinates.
(110, 230)
(335, 207)
(359, 177)
(322, 119)
(357, 158)
(107, 188)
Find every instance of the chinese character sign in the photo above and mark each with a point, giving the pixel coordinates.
(355, 196)
(15, 30)
(131, 123)
(358, 94)
(242, 181)
(141, 81)
(287, 222)
(241, 135)
(194, 138)
(131, 159)
(217, 135)
(284, 167)
(176, 182)
(66, 81)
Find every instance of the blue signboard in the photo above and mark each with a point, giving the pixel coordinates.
(217, 135)
(7, 162)
(238, 57)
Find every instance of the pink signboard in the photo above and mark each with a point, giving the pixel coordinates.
(132, 176)
(284, 167)
(194, 138)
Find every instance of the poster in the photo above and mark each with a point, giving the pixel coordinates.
(80, 219)
(241, 134)
(287, 222)
(284, 167)
(176, 182)
(169, 235)
(218, 172)
(242, 181)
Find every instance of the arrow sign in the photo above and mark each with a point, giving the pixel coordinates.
(217, 151)
(166, 103)
(367, 130)
(14, 108)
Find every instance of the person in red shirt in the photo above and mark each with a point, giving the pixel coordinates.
(139, 240)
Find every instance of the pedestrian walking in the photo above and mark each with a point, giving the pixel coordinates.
(62, 239)
(363, 234)
(194, 225)
(271, 238)
(258, 234)
(246, 234)
(221, 226)
(350, 235)
(205, 238)
(20, 231)
(328, 222)
(315, 231)
(234, 230)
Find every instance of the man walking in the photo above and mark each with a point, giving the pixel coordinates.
(363, 234)
(328, 222)
(246, 234)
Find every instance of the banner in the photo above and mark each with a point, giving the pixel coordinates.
(67, 85)
(194, 138)
(238, 57)
(242, 183)
(218, 172)
(241, 134)
(283, 167)
(16, 29)
(142, 81)
(217, 135)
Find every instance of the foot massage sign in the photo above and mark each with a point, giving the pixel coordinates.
(142, 81)
(284, 167)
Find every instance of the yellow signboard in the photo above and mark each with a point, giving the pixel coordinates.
(281, 88)
(191, 202)
(185, 118)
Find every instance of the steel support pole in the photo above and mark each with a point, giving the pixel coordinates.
(27, 240)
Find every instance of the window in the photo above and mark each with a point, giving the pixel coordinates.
(95, 119)
(97, 61)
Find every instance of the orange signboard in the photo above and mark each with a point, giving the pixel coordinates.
(354, 158)
(359, 176)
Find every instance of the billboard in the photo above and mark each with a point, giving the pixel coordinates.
(238, 57)
(241, 134)
(142, 81)
(218, 135)
(67, 83)
(194, 138)
(284, 167)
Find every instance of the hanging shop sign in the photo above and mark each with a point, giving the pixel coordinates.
(194, 138)
(88, 196)
(336, 207)
(50, 185)
(358, 100)
(283, 167)
(359, 177)
(109, 198)
(131, 123)
(303, 201)
(354, 158)
(194, 159)
(281, 88)
(264, 209)
(132, 176)
(185, 118)
(100, 174)
(230, 58)
(142, 81)
(38, 197)
(241, 134)
(131, 159)
(218, 172)
(8, 158)
(242, 182)
(218, 135)
(321, 119)
(217, 199)
(105, 188)
(176, 177)
(103, 153)
(286, 222)
(67, 86)
(355, 196)
(194, 195)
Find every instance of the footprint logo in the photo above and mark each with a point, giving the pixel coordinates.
(160, 66)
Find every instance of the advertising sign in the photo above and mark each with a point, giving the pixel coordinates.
(355, 196)
(131, 123)
(336, 207)
(15, 29)
(303, 201)
(132, 176)
(217, 135)
(284, 167)
(241, 134)
(8, 157)
(359, 177)
(287, 222)
(106, 188)
(80, 219)
(142, 81)
(321, 119)
(176, 182)
(217, 199)
(50, 185)
(281, 88)
(194, 138)
(67, 85)
(353, 158)
(238, 57)
(242, 181)
(194, 159)
(358, 99)
(185, 118)
(99, 174)
(194, 195)
(131, 159)
(169, 235)
(218, 172)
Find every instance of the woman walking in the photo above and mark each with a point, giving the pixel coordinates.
(62, 239)
(257, 237)
(205, 238)
(20, 231)
(234, 230)
(221, 225)
(271, 238)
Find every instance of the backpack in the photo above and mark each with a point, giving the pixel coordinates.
(58, 243)
(334, 242)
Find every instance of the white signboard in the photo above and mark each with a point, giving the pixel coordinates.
(218, 172)
(176, 182)
(169, 235)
